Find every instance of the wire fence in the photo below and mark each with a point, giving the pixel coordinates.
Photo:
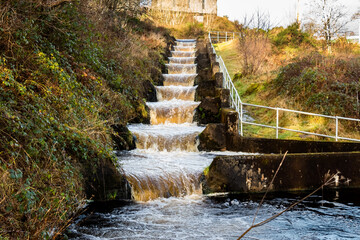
(238, 105)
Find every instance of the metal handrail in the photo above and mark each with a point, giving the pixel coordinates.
(238, 105)
(220, 35)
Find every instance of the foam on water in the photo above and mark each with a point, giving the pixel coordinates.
(181, 68)
(200, 217)
(182, 60)
(173, 111)
(179, 79)
(185, 48)
(182, 54)
(169, 137)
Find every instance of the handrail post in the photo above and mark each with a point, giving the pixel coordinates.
(277, 123)
(241, 119)
(337, 128)
(233, 35)
(225, 36)
(218, 36)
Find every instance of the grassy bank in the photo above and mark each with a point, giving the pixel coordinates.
(69, 71)
(287, 68)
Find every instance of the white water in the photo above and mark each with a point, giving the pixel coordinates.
(175, 92)
(169, 137)
(166, 162)
(183, 60)
(179, 79)
(174, 68)
(223, 218)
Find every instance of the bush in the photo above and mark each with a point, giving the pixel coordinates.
(328, 85)
(291, 36)
(254, 47)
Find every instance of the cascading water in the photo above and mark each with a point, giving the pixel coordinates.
(164, 174)
(175, 92)
(170, 140)
(179, 79)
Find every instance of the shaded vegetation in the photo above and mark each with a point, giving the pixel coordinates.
(69, 70)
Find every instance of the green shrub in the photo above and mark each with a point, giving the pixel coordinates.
(291, 36)
(328, 85)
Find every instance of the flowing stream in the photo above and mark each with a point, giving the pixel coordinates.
(164, 172)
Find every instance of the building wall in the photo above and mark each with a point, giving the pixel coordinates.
(192, 6)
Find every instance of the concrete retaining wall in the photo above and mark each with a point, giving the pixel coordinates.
(253, 173)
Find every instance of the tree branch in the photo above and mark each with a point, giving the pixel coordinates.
(290, 207)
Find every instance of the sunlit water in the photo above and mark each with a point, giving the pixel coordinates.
(165, 174)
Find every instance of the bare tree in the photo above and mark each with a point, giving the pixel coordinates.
(258, 20)
(254, 44)
(329, 18)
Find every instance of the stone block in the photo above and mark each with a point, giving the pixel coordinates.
(224, 95)
(215, 68)
(213, 138)
(219, 79)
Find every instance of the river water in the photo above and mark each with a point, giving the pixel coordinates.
(164, 172)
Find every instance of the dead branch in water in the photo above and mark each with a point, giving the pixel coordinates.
(288, 208)
(267, 190)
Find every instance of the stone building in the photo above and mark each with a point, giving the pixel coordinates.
(197, 7)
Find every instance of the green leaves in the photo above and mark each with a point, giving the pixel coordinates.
(15, 174)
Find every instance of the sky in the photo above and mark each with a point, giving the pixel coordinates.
(282, 12)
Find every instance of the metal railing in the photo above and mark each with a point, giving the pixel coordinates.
(238, 105)
(353, 38)
(219, 36)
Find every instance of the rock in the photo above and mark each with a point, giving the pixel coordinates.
(219, 78)
(215, 68)
(123, 138)
(202, 62)
(209, 111)
(233, 175)
(143, 114)
(206, 85)
(224, 95)
(106, 183)
(150, 91)
(212, 57)
(231, 120)
(156, 75)
(213, 138)
(205, 89)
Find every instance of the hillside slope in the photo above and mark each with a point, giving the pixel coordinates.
(289, 69)
(70, 73)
